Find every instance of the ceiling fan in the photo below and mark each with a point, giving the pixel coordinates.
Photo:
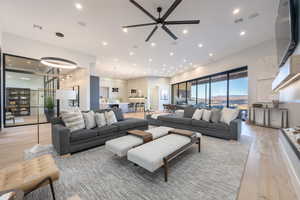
(161, 20)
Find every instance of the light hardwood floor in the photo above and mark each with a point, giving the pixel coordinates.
(265, 177)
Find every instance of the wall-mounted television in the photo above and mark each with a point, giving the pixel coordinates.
(286, 30)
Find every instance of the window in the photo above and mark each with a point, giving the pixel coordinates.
(192, 92)
(203, 93)
(219, 91)
(238, 90)
(226, 89)
(182, 94)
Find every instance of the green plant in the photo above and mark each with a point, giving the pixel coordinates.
(49, 103)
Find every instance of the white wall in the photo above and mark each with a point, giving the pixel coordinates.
(261, 62)
(17, 45)
(115, 83)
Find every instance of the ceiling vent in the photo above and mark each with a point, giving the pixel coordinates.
(288, 73)
(239, 20)
(253, 15)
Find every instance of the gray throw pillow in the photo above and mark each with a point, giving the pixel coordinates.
(215, 115)
(189, 112)
(119, 114)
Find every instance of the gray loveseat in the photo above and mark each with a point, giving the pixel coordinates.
(215, 129)
(66, 142)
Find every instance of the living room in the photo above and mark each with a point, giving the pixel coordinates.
(149, 99)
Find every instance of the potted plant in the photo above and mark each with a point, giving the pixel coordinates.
(49, 108)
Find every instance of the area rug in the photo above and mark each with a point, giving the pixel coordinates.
(213, 174)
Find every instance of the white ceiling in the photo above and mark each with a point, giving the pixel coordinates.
(217, 31)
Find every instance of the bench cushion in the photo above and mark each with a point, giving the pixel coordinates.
(150, 156)
(120, 146)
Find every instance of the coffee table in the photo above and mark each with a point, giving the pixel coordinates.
(147, 137)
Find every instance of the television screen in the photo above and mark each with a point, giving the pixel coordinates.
(286, 37)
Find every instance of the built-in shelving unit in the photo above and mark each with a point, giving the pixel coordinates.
(18, 101)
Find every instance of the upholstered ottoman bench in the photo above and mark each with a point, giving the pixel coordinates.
(153, 155)
(120, 146)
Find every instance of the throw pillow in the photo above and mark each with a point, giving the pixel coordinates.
(179, 113)
(206, 115)
(119, 114)
(100, 119)
(198, 114)
(89, 120)
(110, 117)
(73, 120)
(188, 112)
(229, 114)
(215, 115)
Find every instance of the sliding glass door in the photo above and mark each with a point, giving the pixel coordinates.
(226, 89)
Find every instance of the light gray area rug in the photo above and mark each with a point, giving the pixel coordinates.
(213, 174)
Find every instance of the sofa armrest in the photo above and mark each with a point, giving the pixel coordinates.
(61, 139)
(235, 128)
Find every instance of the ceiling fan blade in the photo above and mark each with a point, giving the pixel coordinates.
(182, 22)
(169, 32)
(171, 9)
(139, 25)
(152, 32)
(143, 10)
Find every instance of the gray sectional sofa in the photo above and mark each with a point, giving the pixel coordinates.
(215, 129)
(66, 142)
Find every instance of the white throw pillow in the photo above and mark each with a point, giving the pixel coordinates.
(206, 115)
(110, 117)
(89, 120)
(73, 120)
(229, 114)
(179, 113)
(198, 114)
(100, 119)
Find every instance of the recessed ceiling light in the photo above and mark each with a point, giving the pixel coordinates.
(131, 53)
(185, 31)
(150, 60)
(78, 6)
(125, 30)
(184, 60)
(200, 45)
(211, 54)
(242, 33)
(104, 43)
(153, 44)
(236, 11)
(171, 54)
(134, 64)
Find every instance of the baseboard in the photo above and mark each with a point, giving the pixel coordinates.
(295, 177)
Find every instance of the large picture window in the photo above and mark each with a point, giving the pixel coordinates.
(226, 89)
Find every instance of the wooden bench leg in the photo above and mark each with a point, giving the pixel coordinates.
(166, 169)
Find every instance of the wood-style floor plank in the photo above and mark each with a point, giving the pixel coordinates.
(265, 177)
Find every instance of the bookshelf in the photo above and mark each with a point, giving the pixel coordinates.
(18, 101)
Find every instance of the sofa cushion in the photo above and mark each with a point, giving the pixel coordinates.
(215, 115)
(73, 120)
(218, 126)
(206, 115)
(130, 123)
(82, 135)
(110, 117)
(176, 119)
(198, 114)
(89, 119)
(188, 112)
(200, 123)
(100, 119)
(119, 114)
(105, 130)
(229, 114)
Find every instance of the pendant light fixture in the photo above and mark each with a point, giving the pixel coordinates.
(58, 63)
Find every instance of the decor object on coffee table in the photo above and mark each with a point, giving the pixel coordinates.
(29, 175)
